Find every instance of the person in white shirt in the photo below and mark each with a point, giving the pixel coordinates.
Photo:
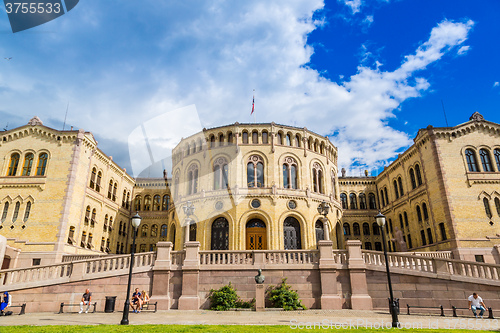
(476, 302)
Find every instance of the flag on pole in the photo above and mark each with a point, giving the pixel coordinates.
(253, 105)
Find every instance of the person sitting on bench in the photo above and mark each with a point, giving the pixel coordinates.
(136, 301)
(85, 301)
(144, 298)
(7, 301)
(476, 302)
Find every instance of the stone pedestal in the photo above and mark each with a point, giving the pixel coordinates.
(189, 299)
(330, 298)
(161, 276)
(360, 299)
(260, 299)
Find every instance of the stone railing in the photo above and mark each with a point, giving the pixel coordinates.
(340, 256)
(39, 276)
(265, 257)
(292, 257)
(79, 257)
(405, 261)
(473, 269)
(177, 258)
(437, 254)
(226, 257)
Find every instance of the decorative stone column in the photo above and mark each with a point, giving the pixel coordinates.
(360, 300)
(190, 300)
(326, 229)
(330, 298)
(161, 276)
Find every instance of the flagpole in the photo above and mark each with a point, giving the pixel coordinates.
(253, 108)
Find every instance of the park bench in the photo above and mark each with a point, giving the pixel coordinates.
(22, 306)
(147, 306)
(454, 308)
(61, 308)
(408, 306)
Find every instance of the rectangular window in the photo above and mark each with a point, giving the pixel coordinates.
(422, 235)
(479, 258)
(38, 261)
(429, 235)
(443, 231)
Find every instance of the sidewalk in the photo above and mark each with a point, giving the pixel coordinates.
(295, 319)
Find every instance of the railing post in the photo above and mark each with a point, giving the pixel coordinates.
(78, 271)
(440, 266)
(330, 298)
(258, 259)
(490, 313)
(408, 309)
(442, 311)
(360, 299)
(190, 300)
(61, 308)
(23, 309)
(454, 311)
(161, 275)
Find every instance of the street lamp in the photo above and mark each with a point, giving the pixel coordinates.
(136, 221)
(380, 218)
(323, 209)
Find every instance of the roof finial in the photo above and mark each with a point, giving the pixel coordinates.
(35, 121)
(476, 116)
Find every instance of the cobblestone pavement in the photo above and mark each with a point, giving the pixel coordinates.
(295, 319)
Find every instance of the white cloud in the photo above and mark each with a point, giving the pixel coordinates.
(496, 84)
(463, 50)
(355, 5)
(213, 57)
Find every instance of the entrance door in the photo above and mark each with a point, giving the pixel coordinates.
(256, 235)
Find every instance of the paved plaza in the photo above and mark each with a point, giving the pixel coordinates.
(326, 319)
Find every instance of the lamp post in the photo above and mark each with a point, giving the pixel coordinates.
(380, 218)
(136, 221)
(323, 209)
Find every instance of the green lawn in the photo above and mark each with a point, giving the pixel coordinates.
(192, 328)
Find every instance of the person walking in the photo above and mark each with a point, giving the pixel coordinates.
(475, 303)
(86, 298)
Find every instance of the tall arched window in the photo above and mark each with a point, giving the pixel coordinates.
(419, 176)
(165, 202)
(497, 205)
(28, 210)
(5, 211)
(192, 232)
(98, 182)
(115, 188)
(400, 183)
(193, 179)
(386, 196)
(396, 189)
(297, 140)
(137, 203)
(487, 207)
(127, 201)
(291, 234)
(105, 226)
(401, 223)
(382, 197)
(485, 160)
(220, 173)
(496, 153)
(347, 229)
(14, 163)
(366, 229)
(372, 201)
(356, 231)
(220, 234)
(424, 210)
(265, 139)
(309, 143)
(221, 140)
(343, 200)
(376, 229)
(92, 178)
(144, 230)
(290, 173)
(245, 137)
(317, 178)
(92, 219)
(353, 204)
(28, 164)
(255, 171)
(279, 137)
(471, 160)
(110, 189)
(124, 198)
(255, 137)
(156, 202)
(362, 201)
(188, 149)
(87, 215)
(164, 230)
(288, 140)
(230, 138)
(412, 178)
(406, 218)
(16, 211)
(419, 214)
(147, 202)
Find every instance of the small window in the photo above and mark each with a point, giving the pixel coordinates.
(372, 201)
(443, 231)
(487, 207)
(400, 183)
(479, 258)
(396, 189)
(368, 246)
(164, 229)
(366, 229)
(297, 141)
(27, 211)
(255, 137)
(264, 138)
(28, 163)
(471, 160)
(221, 140)
(37, 261)
(245, 138)
(347, 229)
(496, 153)
(362, 201)
(14, 163)
(497, 205)
(376, 229)
(154, 230)
(422, 236)
(279, 137)
(288, 140)
(343, 200)
(355, 229)
(16, 211)
(424, 210)
(419, 214)
(485, 160)
(156, 203)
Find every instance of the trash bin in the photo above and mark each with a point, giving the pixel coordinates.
(110, 304)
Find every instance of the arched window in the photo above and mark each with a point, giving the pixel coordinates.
(245, 137)
(124, 198)
(16, 211)
(28, 210)
(265, 139)
(221, 140)
(429, 235)
(137, 203)
(362, 201)
(279, 137)
(320, 232)
(390, 225)
(309, 143)
(297, 140)
(353, 201)
(92, 178)
(105, 225)
(347, 229)
(332, 176)
(172, 235)
(144, 230)
(419, 176)
(164, 229)
(255, 137)
(424, 210)
(212, 141)
(412, 178)
(355, 229)
(487, 207)
(110, 189)
(98, 182)
(193, 179)
(42, 164)
(497, 205)
(124, 227)
(83, 241)
(220, 234)
(471, 160)
(288, 140)
(419, 214)
(443, 231)
(382, 197)
(192, 232)
(127, 201)
(115, 188)
(220, 173)
(255, 171)
(409, 241)
(376, 229)
(485, 160)
(343, 200)
(156, 203)
(92, 219)
(396, 189)
(71, 234)
(147, 202)
(194, 148)
(188, 149)
(386, 196)
(28, 164)
(87, 216)
(230, 138)
(5, 211)
(165, 202)
(406, 218)
(401, 223)
(400, 183)
(372, 201)
(366, 229)
(317, 178)
(111, 223)
(496, 153)
(291, 234)
(290, 173)
(316, 146)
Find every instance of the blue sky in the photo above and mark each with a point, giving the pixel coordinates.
(367, 73)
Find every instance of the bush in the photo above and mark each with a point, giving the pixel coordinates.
(226, 298)
(282, 296)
